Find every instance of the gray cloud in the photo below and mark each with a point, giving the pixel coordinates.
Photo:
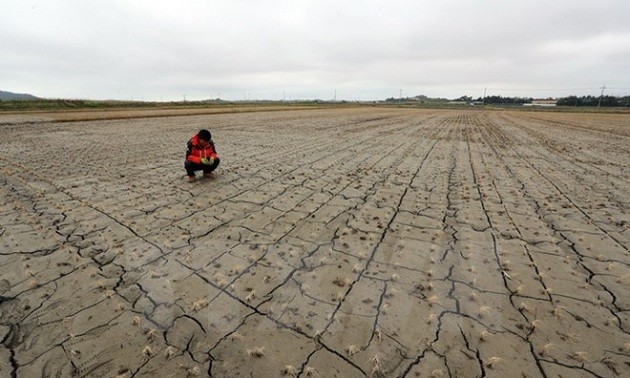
(363, 49)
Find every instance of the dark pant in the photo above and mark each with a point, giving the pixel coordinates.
(192, 167)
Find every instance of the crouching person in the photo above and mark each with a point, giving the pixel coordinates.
(201, 155)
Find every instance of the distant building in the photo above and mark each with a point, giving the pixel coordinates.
(543, 103)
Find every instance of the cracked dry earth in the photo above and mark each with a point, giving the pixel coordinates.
(332, 243)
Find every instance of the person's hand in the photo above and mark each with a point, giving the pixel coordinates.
(207, 161)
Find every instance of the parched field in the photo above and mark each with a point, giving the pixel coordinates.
(332, 243)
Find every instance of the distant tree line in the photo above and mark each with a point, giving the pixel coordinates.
(498, 100)
(607, 101)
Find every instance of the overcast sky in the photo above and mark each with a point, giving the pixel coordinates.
(358, 49)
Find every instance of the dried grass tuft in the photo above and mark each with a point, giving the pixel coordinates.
(256, 352)
(148, 352)
(352, 350)
(289, 371)
(200, 304)
(491, 362)
(484, 335)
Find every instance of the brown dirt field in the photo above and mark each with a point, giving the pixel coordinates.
(333, 243)
(14, 117)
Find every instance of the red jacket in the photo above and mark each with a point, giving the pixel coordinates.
(195, 152)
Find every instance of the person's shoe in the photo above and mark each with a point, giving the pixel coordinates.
(192, 179)
(209, 175)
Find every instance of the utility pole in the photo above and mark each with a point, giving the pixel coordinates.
(335, 97)
(601, 96)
